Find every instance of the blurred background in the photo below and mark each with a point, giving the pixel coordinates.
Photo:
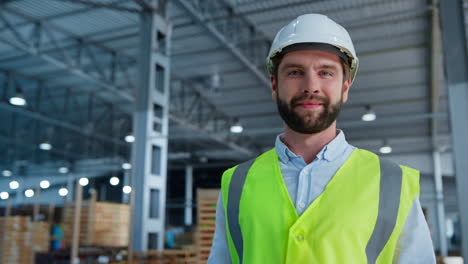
(118, 117)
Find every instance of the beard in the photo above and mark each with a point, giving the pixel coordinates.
(310, 122)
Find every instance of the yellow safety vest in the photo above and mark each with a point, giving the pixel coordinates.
(357, 219)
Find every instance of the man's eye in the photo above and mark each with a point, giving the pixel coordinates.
(326, 73)
(294, 73)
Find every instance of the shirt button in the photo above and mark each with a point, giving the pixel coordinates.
(300, 237)
(302, 205)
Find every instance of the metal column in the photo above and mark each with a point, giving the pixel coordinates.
(456, 69)
(150, 123)
(125, 182)
(188, 195)
(71, 190)
(436, 75)
(439, 194)
(19, 199)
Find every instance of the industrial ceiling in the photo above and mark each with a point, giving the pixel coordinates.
(76, 63)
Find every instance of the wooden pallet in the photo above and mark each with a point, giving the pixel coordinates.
(101, 224)
(168, 256)
(20, 239)
(206, 217)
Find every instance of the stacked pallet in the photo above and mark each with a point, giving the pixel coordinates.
(15, 244)
(169, 256)
(206, 216)
(40, 236)
(101, 224)
(20, 238)
(68, 217)
(181, 256)
(111, 224)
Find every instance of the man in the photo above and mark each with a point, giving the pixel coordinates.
(314, 198)
(56, 236)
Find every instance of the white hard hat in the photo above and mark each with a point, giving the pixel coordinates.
(314, 28)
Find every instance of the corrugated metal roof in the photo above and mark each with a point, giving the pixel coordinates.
(45, 8)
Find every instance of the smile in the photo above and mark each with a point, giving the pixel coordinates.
(309, 105)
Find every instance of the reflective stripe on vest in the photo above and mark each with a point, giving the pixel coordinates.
(235, 191)
(389, 200)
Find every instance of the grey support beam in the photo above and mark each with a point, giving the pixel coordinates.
(150, 126)
(436, 63)
(188, 195)
(456, 69)
(439, 196)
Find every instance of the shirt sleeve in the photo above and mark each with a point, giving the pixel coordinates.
(219, 253)
(415, 243)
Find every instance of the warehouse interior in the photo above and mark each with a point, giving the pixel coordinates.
(138, 106)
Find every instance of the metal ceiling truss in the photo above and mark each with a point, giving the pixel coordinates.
(43, 36)
(60, 113)
(34, 130)
(231, 32)
(98, 72)
(192, 106)
(22, 140)
(143, 6)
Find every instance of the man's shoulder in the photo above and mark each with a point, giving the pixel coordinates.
(267, 155)
(367, 154)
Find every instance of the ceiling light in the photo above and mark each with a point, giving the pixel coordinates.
(7, 173)
(385, 149)
(114, 181)
(83, 181)
(4, 195)
(126, 166)
(63, 192)
(236, 127)
(130, 138)
(29, 193)
(369, 115)
(45, 146)
(14, 185)
(63, 170)
(215, 80)
(44, 184)
(127, 189)
(18, 100)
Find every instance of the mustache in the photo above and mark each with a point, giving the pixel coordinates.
(303, 97)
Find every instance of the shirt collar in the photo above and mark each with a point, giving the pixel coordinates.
(282, 150)
(329, 152)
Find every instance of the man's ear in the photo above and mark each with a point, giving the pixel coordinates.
(346, 86)
(274, 87)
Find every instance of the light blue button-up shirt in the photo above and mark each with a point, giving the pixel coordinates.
(305, 182)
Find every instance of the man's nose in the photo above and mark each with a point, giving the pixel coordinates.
(310, 85)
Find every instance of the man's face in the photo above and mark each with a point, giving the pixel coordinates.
(309, 90)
